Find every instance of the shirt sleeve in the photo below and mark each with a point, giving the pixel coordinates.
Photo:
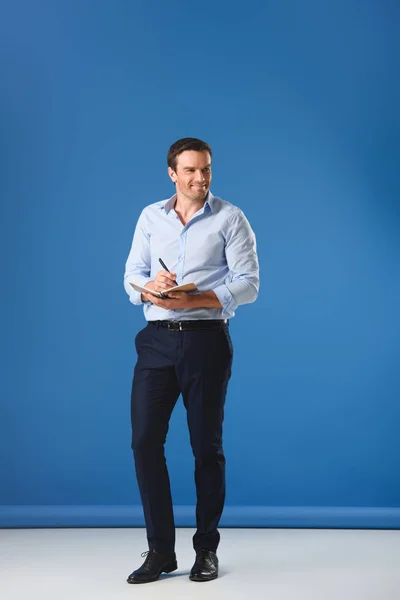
(242, 284)
(138, 264)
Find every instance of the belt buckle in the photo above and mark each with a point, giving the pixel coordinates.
(175, 326)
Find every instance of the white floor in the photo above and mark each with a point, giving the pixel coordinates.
(275, 564)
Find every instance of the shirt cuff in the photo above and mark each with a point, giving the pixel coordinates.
(226, 300)
(134, 296)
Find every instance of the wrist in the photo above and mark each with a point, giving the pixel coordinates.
(204, 300)
(191, 301)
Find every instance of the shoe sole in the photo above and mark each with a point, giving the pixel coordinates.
(168, 569)
(202, 579)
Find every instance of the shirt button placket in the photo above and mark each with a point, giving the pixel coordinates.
(181, 257)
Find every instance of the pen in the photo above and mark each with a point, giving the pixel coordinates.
(164, 266)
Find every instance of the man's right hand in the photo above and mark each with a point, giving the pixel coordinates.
(162, 281)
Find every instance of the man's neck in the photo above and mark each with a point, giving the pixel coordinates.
(185, 207)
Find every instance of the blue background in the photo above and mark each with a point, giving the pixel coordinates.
(300, 103)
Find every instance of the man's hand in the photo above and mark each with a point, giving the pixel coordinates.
(175, 300)
(163, 281)
(178, 300)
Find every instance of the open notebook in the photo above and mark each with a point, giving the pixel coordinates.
(187, 287)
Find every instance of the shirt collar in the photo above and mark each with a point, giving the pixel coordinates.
(170, 203)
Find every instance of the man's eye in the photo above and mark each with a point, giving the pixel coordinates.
(207, 169)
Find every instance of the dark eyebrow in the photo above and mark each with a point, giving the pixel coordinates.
(206, 167)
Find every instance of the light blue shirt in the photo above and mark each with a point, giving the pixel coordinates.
(216, 250)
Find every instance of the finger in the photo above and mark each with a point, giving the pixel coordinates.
(164, 285)
(165, 274)
(159, 301)
(151, 298)
(161, 287)
(167, 281)
(155, 300)
(162, 303)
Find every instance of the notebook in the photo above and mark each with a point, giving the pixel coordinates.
(187, 287)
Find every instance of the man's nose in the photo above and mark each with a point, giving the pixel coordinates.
(200, 176)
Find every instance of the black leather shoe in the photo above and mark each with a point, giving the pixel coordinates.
(155, 564)
(206, 566)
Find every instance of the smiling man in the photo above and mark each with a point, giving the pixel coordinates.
(186, 347)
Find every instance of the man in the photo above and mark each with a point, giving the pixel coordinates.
(185, 347)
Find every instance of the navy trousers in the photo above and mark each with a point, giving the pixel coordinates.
(196, 364)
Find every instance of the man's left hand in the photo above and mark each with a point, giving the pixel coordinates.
(175, 300)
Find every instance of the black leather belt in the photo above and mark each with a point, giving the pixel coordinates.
(190, 325)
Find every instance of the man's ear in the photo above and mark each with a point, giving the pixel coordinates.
(172, 174)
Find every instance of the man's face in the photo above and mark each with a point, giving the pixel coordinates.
(193, 174)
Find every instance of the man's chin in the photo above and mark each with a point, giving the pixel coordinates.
(199, 194)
